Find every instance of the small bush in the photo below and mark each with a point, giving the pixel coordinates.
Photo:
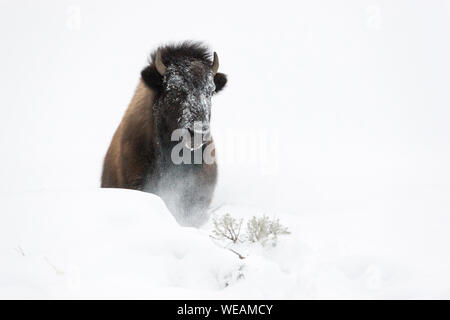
(264, 230)
(227, 227)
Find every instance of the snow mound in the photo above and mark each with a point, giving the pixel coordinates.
(105, 243)
(111, 243)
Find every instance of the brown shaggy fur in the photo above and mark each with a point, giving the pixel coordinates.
(126, 162)
(139, 154)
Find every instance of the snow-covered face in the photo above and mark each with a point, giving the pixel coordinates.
(188, 86)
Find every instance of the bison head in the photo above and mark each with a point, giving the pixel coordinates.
(185, 79)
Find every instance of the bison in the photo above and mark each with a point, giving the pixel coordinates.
(174, 93)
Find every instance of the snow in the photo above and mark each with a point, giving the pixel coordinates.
(111, 243)
(334, 120)
(103, 243)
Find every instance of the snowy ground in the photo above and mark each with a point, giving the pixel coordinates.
(108, 243)
(335, 119)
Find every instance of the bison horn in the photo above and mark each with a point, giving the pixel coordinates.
(215, 65)
(160, 67)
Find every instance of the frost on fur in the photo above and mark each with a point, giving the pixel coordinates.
(264, 230)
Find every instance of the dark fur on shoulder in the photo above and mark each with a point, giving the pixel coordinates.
(173, 52)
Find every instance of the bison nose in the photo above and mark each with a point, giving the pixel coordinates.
(202, 131)
(198, 138)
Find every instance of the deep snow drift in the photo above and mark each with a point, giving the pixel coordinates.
(110, 243)
(103, 243)
(334, 119)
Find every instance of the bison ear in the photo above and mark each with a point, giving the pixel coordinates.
(152, 78)
(220, 80)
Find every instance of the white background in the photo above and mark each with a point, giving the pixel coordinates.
(353, 97)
